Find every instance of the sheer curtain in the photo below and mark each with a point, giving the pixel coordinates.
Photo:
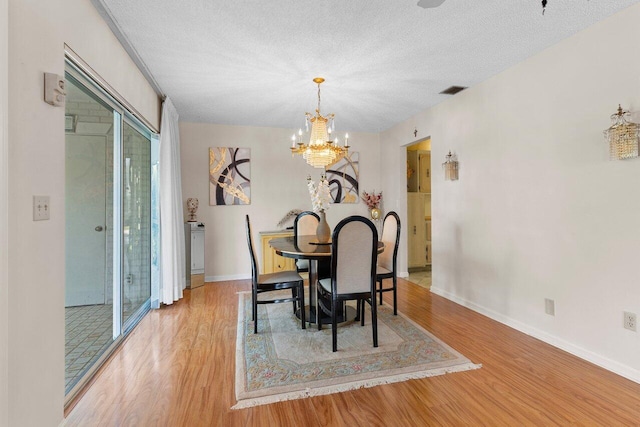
(172, 269)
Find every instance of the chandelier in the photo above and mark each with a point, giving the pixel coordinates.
(622, 136)
(321, 151)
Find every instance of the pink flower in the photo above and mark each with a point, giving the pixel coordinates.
(372, 199)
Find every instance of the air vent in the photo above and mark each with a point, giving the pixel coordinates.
(452, 90)
(427, 4)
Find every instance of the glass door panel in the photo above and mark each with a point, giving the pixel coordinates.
(136, 208)
(89, 146)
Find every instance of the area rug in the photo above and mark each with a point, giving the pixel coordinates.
(284, 362)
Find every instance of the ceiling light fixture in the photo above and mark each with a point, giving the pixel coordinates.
(321, 151)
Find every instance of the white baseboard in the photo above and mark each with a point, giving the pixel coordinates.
(227, 278)
(603, 362)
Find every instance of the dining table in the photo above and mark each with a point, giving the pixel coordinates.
(319, 256)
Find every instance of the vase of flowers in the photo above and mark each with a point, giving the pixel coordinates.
(373, 200)
(320, 199)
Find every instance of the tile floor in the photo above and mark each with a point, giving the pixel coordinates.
(88, 333)
(420, 277)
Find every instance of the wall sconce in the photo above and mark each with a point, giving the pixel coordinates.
(622, 136)
(450, 168)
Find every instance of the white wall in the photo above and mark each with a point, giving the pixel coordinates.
(539, 211)
(278, 184)
(4, 185)
(38, 30)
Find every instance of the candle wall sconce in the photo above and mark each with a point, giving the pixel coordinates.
(450, 168)
(622, 136)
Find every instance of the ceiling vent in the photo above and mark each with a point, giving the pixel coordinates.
(427, 4)
(452, 90)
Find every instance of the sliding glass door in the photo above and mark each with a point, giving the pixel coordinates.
(108, 225)
(136, 209)
(89, 166)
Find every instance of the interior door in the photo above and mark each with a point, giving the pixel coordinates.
(416, 230)
(85, 220)
(424, 170)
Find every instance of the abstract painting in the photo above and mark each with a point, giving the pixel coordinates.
(343, 179)
(229, 176)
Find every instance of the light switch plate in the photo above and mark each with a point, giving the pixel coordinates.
(41, 208)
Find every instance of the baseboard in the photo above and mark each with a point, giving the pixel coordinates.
(227, 278)
(603, 362)
(403, 274)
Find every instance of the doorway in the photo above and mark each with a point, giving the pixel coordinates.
(108, 234)
(419, 212)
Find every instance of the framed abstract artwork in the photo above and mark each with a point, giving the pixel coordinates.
(343, 179)
(229, 176)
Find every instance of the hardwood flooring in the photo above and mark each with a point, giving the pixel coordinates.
(177, 369)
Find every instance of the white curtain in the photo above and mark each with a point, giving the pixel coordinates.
(173, 270)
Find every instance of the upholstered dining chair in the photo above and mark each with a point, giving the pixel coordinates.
(305, 224)
(387, 260)
(261, 283)
(354, 251)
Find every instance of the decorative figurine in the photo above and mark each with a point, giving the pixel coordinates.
(192, 207)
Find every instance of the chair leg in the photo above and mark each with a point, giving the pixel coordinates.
(254, 303)
(301, 304)
(361, 304)
(395, 296)
(294, 295)
(374, 321)
(318, 316)
(380, 291)
(334, 325)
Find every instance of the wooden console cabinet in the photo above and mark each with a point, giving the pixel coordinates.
(272, 262)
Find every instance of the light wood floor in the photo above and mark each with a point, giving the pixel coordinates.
(177, 369)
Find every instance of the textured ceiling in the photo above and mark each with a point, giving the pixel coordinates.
(249, 62)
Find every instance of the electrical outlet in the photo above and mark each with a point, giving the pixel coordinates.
(41, 208)
(549, 307)
(630, 322)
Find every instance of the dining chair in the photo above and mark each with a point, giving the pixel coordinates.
(261, 283)
(354, 251)
(305, 224)
(387, 260)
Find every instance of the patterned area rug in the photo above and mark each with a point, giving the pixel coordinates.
(285, 362)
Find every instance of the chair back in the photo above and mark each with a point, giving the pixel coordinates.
(391, 240)
(254, 261)
(305, 224)
(354, 255)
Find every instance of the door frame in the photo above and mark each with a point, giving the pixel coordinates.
(405, 148)
(123, 112)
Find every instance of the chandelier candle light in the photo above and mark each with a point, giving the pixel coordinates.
(321, 151)
(320, 199)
